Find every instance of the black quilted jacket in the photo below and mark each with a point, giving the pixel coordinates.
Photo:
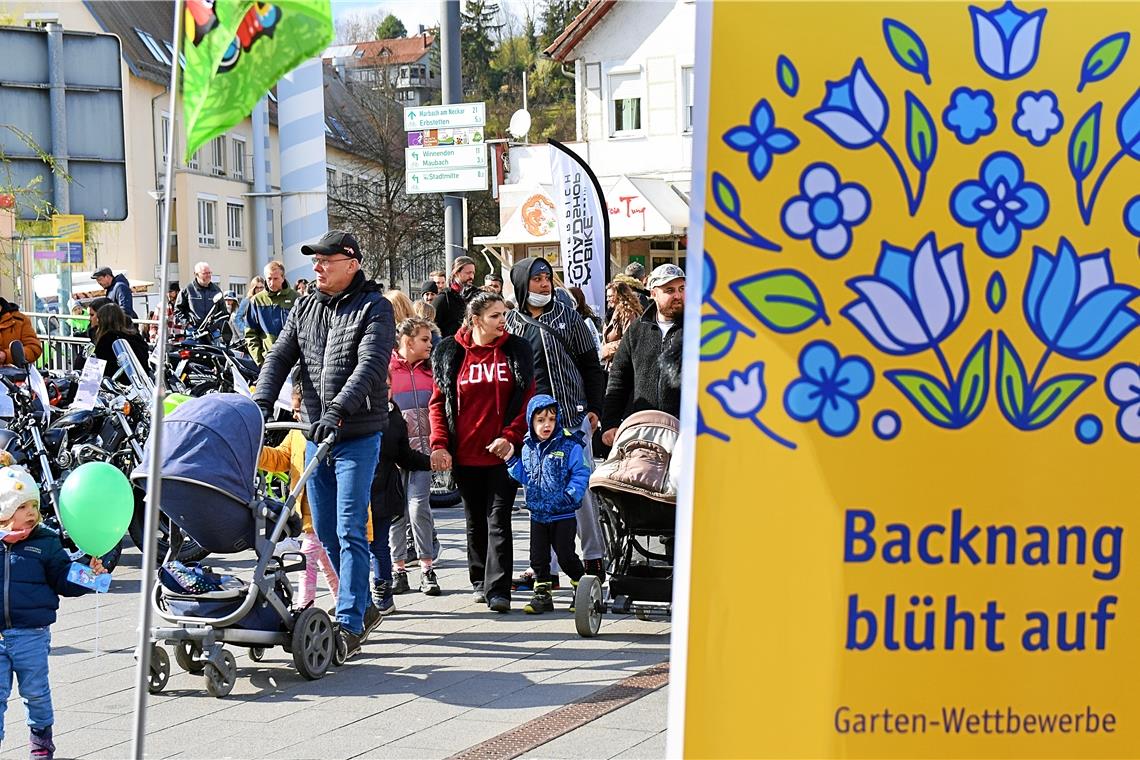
(343, 344)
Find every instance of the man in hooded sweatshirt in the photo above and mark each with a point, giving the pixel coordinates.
(566, 367)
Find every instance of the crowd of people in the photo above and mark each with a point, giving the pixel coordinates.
(504, 395)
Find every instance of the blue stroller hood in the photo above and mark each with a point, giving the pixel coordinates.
(210, 447)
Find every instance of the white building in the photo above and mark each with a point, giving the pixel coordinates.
(633, 81)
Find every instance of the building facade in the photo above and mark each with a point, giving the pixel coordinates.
(406, 67)
(633, 81)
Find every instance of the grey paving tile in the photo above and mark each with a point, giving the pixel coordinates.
(652, 748)
(590, 742)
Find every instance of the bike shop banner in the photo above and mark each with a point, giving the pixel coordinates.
(583, 225)
(914, 378)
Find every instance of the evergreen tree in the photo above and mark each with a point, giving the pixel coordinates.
(478, 41)
(391, 28)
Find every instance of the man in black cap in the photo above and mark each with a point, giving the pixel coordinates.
(429, 290)
(451, 304)
(118, 289)
(341, 336)
(566, 367)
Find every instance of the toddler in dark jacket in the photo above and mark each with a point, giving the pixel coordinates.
(552, 467)
(33, 576)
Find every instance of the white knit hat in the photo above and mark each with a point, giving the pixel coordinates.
(17, 487)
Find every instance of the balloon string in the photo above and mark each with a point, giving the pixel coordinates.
(97, 610)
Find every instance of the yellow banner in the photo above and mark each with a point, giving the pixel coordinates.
(67, 228)
(919, 390)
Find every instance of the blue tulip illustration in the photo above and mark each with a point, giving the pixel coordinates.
(913, 303)
(742, 394)
(1075, 309)
(1006, 40)
(1084, 148)
(854, 112)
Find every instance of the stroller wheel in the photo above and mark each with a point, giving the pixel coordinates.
(588, 606)
(184, 655)
(314, 643)
(159, 669)
(257, 654)
(220, 680)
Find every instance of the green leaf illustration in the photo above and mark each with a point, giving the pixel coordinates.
(717, 337)
(907, 48)
(1103, 58)
(927, 393)
(1051, 398)
(1012, 390)
(725, 195)
(974, 381)
(1084, 144)
(921, 137)
(787, 76)
(784, 300)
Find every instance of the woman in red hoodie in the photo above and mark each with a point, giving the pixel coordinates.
(484, 378)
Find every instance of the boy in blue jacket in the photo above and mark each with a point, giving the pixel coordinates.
(552, 467)
(33, 575)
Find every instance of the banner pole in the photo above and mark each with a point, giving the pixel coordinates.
(154, 482)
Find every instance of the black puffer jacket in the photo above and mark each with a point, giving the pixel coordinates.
(451, 307)
(646, 371)
(389, 499)
(343, 344)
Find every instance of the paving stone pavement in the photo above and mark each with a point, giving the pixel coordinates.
(440, 675)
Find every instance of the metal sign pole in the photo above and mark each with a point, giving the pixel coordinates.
(454, 242)
(153, 481)
(61, 198)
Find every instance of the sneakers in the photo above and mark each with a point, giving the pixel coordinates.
(40, 744)
(574, 586)
(372, 617)
(387, 605)
(428, 584)
(541, 601)
(400, 582)
(380, 590)
(525, 582)
(499, 604)
(596, 567)
(350, 642)
(477, 594)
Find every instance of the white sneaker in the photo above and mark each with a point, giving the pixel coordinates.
(287, 545)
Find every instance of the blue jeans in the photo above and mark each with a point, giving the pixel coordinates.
(381, 554)
(338, 499)
(24, 654)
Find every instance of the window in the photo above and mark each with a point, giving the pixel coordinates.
(239, 158)
(687, 98)
(165, 137)
(238, 285)
(625, 95)
(195, 160)
(235, 225)
(330, 179)
(207, 222)
(218, 156)
(153, 47)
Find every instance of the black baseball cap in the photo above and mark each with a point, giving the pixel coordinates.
(103, 272)
(334, 242)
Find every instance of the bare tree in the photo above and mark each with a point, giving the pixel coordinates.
(358, 26)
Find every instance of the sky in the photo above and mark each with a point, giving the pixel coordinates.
(416, 12)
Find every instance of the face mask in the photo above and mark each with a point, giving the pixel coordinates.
(538, 300)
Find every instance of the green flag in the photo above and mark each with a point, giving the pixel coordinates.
(236, 50)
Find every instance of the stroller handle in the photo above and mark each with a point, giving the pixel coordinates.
(271, 426)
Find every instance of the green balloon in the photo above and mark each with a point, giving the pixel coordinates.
(95, 505)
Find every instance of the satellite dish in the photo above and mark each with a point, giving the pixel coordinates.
(520, 124)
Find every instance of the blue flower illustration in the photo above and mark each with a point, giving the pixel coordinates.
(1006, 40)
(1037, 117)
(1000, 204)
(1123, 387)
(760, 139)
(1132, 216)
(825, 211)
(829, 388)
(970, 115)
(854, 111)
(1074, 307)
(743, 394)
(915, 299)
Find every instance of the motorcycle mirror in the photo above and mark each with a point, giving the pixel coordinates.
(218, 297)
(16, 353)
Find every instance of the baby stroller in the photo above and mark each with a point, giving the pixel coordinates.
(209, 455)
(636, 495)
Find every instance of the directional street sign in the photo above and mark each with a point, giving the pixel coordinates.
(445, 157)
(444, 117)
(446, 180)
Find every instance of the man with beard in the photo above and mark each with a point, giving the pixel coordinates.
(451, 303)
(646, 370)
